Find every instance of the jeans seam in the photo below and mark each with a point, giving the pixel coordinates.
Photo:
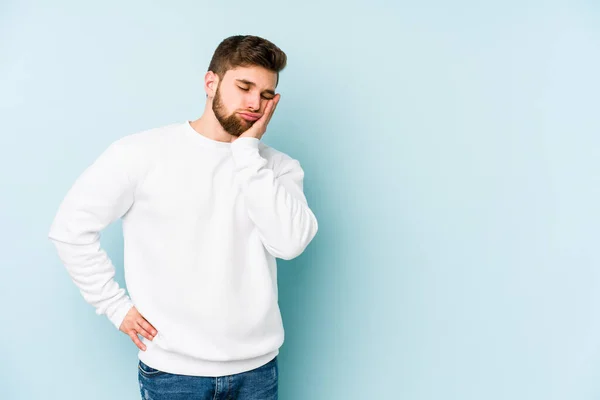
(149, 374)
(216, 388)
(227, 397)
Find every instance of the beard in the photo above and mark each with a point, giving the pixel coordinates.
(232, 123)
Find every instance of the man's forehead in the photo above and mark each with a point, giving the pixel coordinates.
(258, 76)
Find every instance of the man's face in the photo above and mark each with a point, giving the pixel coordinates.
(241, 97)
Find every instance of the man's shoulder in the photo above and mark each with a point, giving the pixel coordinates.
(150, 136)
(146, 143)
(138, 150)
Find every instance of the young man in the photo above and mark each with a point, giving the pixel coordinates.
(206, 208)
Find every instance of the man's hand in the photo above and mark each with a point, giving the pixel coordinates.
(258, 129)
(135, 324)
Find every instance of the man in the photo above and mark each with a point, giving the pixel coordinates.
(206, 208)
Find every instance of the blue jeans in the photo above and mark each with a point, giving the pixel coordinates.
(257, 384)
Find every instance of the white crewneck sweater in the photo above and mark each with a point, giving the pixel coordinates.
(202, 223)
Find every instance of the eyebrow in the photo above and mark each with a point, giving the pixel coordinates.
(249, 83)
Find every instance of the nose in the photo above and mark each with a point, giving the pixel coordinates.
(253, 102)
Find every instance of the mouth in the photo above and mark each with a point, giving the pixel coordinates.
(250, 117)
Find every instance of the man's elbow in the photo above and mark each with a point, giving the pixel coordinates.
(286, 253)
(294, 246)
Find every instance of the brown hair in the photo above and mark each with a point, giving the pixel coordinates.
(245, 51)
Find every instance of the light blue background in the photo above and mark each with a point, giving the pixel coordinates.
(452, 156)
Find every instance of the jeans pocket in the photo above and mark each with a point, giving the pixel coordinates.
(148, 371)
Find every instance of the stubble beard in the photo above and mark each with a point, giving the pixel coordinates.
(232, 124)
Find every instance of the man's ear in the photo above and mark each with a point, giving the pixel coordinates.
(211, 82)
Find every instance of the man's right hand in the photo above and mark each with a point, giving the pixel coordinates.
(135, 324)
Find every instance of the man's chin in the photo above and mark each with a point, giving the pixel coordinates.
(238, 133)
(246, 125)
(238, 129)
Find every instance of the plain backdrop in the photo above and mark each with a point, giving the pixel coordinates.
(452, 157)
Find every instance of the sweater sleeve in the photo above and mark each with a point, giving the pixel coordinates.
(103, 193)
(276, 203)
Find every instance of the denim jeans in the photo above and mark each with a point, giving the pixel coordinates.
(257, 384)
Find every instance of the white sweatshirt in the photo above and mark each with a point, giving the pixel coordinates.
(202, 223)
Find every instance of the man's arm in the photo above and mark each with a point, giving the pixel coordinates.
(276, 203)
(102, 194)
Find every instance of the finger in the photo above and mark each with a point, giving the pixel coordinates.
(262, 122)
(273, 105)
(140, 330)
(136, 340)
(266, 117)
(147, 326)
(274, 102)
(267, 114)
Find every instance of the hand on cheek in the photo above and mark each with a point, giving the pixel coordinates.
(259, 127)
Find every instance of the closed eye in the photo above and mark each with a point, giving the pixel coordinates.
(245, 89)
